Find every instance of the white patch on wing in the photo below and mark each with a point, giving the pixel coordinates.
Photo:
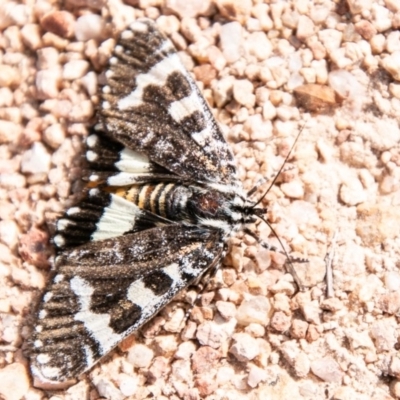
(88, 355)
(157, 75)
(96, 324)
(185, 107)
(46, 373)
(140, 295)
(125, 178)
(59, 240)
(118, 217)
(43, 358)
(217, 224)
(202, 137)
(132, 161)
(173, 272)
(91, 156)
(92, 140)
(47, 297)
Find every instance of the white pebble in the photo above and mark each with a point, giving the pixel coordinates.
(36, 160)
(255, 309)
(382, 20)
(243, 93)
(107, 389)
(305, 27)
(352, 192)
(245, 347)
(256, 375)
(9, 131)
(392, 65)
(54, 135)
(140, 356)
(392, 281)
(293, 189)
(89, 26)
(231, 41)
(327, 369)
(258, 45)
(75, 69)
(14, 380)
(128, 385)
(47, 82)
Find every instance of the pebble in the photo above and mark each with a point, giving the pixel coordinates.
(61, 23)
(301, 365)
(140, 356)
(375, 223)
(352, 192)
(9, 232)
(181, 370)
(33, 247)
(243, 93)
(54, 135)
(191, 9)
(9, 132)
(238, 10)
(280, 321)
(185, 350)
(159, 369)
(256, 376)
(384, 334)
(47, 83)
(254, 310)
(311, 311)
(31, 36)
(245, 347)
(174, 323)
(165, 345)
(107, 389)
(14, 380)
(327, 369)
(9, 76)
(78, 391)
(128, 385)
(231, 41)
(75, 69)
(226, 309)
(305, 27)
(293, 189)
(389, 303)
(89, 26)
(258, 45)
(392, 65)
(36, 160)
(81, 112)
(206, 385)
(381, 18)
(392, 281)
(205, 359)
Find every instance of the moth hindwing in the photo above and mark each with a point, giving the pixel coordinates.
(162, 200)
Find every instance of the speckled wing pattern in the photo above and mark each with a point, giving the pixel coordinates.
(129, 246)
(152, 104)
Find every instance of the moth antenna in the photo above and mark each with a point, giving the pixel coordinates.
(280, 170)
(291, 269)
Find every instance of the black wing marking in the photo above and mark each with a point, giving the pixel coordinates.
(152, 105)
(101, 215)
(105, 290)
(113, 164)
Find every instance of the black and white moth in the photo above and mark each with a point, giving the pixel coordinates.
(163, 199)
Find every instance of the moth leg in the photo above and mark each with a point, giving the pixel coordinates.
(290, 260)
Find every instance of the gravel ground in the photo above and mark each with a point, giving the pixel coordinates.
(328, 68)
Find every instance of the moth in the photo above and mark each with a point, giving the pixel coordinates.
(163, 198)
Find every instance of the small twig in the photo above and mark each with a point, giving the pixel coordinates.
(329, 259)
